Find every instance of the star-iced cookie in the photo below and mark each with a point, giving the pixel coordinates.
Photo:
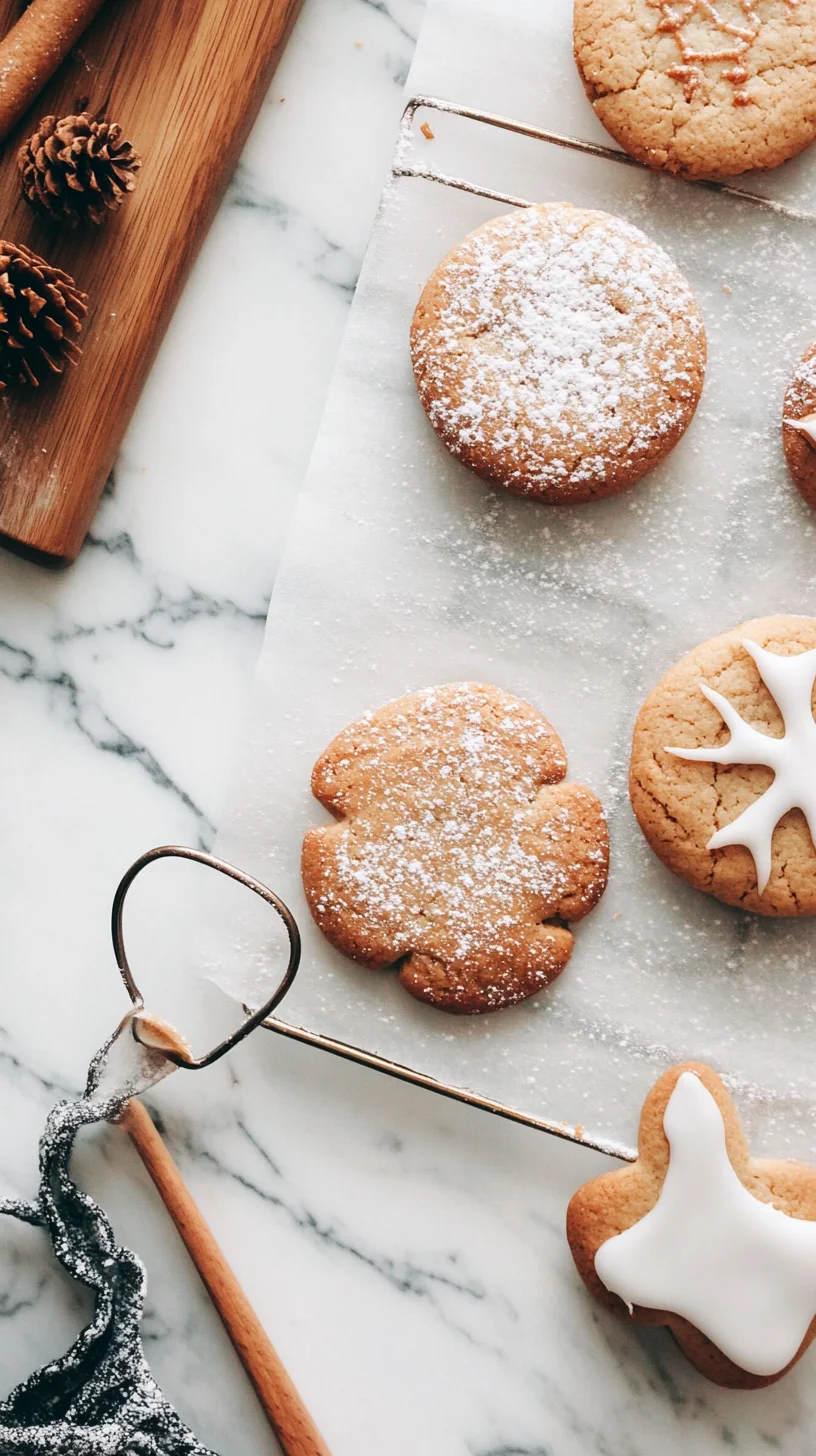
(460, 854)
(703, 88)
(701, 1237)
(723, 769)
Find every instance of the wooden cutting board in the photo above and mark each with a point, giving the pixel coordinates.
(185, 78)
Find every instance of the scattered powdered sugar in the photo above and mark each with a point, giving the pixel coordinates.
(401, 570)
(802, 388)
(458, 838)
(557, 347)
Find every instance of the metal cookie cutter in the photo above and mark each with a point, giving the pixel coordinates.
(180, 1056)
(158, 1036)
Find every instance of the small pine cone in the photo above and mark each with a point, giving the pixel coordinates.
(77, 168)
(41, 313)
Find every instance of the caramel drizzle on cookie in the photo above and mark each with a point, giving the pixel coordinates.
(690, 71)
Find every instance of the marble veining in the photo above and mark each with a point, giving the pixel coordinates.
(407, 1256)
(324, 260)
(123, 681)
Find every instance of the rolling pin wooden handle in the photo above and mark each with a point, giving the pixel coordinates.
(189, 78)
(33, 49)
(284, 1409)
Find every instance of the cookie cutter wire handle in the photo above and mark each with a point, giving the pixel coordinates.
(567, 1132)
(263, 1016)
(254, 1018)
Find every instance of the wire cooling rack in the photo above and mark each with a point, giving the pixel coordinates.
(406, 168)
(401, 168)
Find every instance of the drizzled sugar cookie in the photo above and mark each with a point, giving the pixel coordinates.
(703, 88)
(460, 854)
(558, 353)
(700, 1236)
(723, 770)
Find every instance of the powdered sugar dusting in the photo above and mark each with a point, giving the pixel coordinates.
(401, 570)
(801, 391)
(559, 350)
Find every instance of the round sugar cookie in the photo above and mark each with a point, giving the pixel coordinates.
(459, 854)
(558, 352)
(723, 769)
(799, 425)
(697, 88)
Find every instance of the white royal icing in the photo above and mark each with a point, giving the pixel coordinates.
(806, 426)
(792, 757)
(741, 1271)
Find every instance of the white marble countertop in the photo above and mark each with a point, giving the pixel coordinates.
(407, 1255)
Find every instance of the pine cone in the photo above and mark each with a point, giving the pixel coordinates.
(41, 313)
(77, 168)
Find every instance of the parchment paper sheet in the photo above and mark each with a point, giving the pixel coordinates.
(403, 570)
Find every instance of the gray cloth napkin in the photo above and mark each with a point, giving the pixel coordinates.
(99, 1398)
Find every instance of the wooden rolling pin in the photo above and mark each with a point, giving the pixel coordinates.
(33, 49)
(186, 80)
(283, 1407)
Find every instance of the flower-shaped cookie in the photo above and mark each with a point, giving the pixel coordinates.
(459, 853)
(701, 1237)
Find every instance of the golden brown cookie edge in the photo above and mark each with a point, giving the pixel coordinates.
(614, 1201)
(721, 873)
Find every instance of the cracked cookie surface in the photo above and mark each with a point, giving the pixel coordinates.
(559, 353)
(680, 805)
(799, 443)
(701, 89)
(459, 853)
